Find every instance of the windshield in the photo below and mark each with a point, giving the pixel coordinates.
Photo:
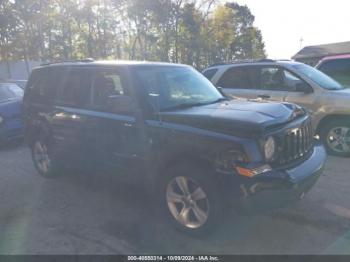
(174, 87)
(10, 91)
(318, 77)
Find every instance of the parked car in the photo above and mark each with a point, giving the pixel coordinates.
(168, 129)
(288, 81)
(20, 83)
(337, 67)
(10, 112)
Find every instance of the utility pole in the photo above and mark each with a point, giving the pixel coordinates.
(301, 42)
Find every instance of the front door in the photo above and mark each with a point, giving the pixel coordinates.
(114, 130)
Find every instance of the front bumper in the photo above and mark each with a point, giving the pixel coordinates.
(277, 188)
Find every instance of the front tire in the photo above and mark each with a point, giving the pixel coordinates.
(336, 137)
(191, 199)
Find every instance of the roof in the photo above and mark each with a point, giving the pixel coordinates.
(323, 50)
(91, 62)
(252, 63)
(242, 61)
(336, 57)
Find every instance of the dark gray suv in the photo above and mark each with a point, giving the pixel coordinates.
(168, 129)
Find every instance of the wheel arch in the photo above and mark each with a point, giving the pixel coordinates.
(177, 159)
(37, 126)
(329, 118)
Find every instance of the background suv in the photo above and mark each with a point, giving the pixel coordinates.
(288, 81)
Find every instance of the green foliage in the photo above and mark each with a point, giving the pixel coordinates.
(185, 31)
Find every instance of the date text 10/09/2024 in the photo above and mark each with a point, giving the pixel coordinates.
(173, 258)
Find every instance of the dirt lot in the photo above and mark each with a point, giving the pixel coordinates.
(92, 214)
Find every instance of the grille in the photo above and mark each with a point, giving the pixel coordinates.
(297, 143)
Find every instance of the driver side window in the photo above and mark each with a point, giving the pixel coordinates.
(109, 91)
(279, 79)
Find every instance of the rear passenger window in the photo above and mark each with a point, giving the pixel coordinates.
(271, 78)
(239, 78)
(75, 89)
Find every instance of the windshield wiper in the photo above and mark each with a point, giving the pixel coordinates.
(219, 100)
(336, 88)
(188, 105)
(182, 106)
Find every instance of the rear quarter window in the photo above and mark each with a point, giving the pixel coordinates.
(210, 73)
(42, 85)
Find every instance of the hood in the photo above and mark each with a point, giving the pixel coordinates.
(11, 108)
(340, 98)
(236, 117)
(342, 92)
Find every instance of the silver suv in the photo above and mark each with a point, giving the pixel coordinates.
(289, 81)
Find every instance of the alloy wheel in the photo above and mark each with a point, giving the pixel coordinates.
(338, 139)
(187, 201)
(42, 157)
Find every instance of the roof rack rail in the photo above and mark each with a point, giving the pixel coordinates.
(85, 60)
(264, 60)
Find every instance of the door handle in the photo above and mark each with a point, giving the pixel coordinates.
(128, 125)
(264, 96)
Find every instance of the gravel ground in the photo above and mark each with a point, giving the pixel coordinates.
(92, 214)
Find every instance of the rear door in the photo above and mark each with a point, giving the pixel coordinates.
(68, 118)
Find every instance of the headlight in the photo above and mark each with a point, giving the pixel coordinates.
(228, 160)
(269, 148)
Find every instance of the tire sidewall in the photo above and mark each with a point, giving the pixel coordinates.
(44, 138)
(325, 131)
(207, 182)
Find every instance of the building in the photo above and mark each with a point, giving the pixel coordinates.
(312, 54)
(17, 69)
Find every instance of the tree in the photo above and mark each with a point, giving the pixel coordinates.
(185, 31)
(249, 43)
(8, 30)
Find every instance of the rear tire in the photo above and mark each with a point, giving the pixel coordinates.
(191, 199)
(43, 158)
(336, 137)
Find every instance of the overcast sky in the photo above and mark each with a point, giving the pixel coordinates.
(284, 22)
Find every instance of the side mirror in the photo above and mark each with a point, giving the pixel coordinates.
(303, 87)
(120, 103)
